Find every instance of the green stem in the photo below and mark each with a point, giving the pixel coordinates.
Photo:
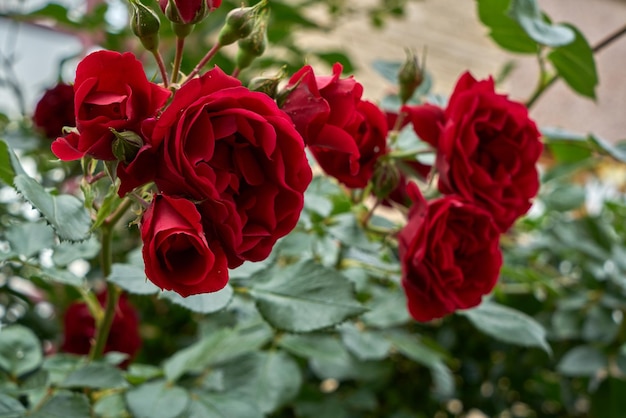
(544, 85)
(159, 60)
(113, 292)
(178, 58)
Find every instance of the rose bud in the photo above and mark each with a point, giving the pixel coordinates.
(145, 25)
(55, 110)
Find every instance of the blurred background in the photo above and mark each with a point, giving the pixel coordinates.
(449, 29)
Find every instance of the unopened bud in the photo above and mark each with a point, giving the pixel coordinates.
(188, 12)
(145, 25)
(126, 145)
(254, 45)
(267, 85)
(410, 77)
(385, 179)
(239, 24)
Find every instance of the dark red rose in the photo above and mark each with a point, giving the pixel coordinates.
(487, 148)
(111, 91)
(450, 255)
(80, 329)
(55, 110)
(236, 154)
(177, 254)
(188, 11)
(346, 135)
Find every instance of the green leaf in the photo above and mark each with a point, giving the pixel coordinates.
(600, 326)
(530, 18)
(387, 69)
(364, 344)
(305, 297)
(110, 406)
(575, 64)
(67, 251)
(508, 325)
(607, 148)
(10, 407)
(20, 350)
(583, 360)
(205, 303)
(347, 229)
(222, 405)
(216, 348)
(564, 197)
(65, 213)
(331, 57)
(329, 358)
(567, 147)
(132, 279)
(95, 376)
(28, 239)
(59, 276)
(64, 405)
(505, 31)
(157, 399)
(269, 379)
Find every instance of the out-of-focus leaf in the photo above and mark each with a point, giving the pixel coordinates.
(66, 405)
(530, 18)
(508, 325)
(583, 360)
(205, 303)
(157, 399)
(20, 350)
(576, 65)
(29, 238)
(505, 31)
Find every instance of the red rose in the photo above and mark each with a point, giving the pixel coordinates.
(55, 110)
(112, 91)
(188, 11)
(450, 255)
(80, 329)
(346, 135)
(238, 155)
(177, 254)
(487, 148)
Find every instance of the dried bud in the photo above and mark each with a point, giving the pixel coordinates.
(410, 77)
(254, 45)
(145, 25)
(126, 145)
(385, 179)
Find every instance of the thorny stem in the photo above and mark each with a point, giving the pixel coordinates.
(203, 61)
(178, 58)
(159, 60)
(544, 85)
(113, 292)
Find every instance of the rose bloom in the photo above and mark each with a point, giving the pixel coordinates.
(55, 110)
(487, 148)
(450, 255)
(236, 154)
(176, 253)
(80, 328)
(345, 134)
(111, 91)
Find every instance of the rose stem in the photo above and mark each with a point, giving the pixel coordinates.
(597, 48)
(180, 45)
(159, 60)
(203, 61)
(236, 72)
(113, 292)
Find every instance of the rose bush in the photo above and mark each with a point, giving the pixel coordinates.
(345, 134)
(54, 110)
(111, 92)
(449, 253)
(487, 148)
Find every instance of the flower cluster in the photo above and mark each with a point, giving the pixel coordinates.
(486, 154)
(224, 167)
